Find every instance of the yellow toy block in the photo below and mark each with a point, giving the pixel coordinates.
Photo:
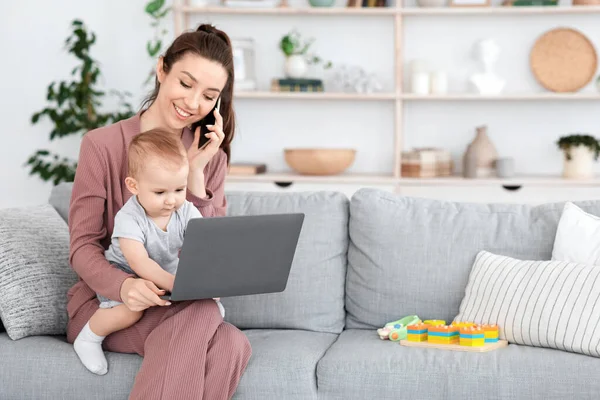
(491, 332)
(443, 334)
(472, 336)
(417, 332)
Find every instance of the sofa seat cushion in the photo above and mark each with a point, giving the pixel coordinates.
(46, 367)
(283, 364)
(362, 366)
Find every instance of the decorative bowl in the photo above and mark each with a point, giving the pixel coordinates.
(319, 161)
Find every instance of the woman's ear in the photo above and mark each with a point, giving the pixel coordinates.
(132, 185)
(160, 71)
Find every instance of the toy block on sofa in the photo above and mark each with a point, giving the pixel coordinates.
(491, 333)
(472, 336)
(417, 332)
(443, 334)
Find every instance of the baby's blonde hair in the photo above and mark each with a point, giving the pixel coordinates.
(155, 144)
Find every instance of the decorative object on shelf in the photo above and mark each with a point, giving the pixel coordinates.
(482, 152)
(296, 54)
(579, 153)
(563, 60)
(353, 79)
(470, 3)
(321, 3)
(296, 85)
(426, 162)
(432, 3)
(598, 83)
(419, 77)
(505, 167)
(586, 2)
(438, 82)
(530, 3)
(487, 82)
(244, 64)
(319, 161)
(241, 168)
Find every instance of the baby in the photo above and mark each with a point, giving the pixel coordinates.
(147, 236)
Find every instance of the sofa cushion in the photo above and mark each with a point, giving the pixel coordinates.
(283, 364)
(362, 366)
(536, 303)
(314, 296)
(413, 256)
(46, 367)
(60, 198)
(34, 271)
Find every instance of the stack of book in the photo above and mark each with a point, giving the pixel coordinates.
(296, 85)
(426, 163)
(247, 168)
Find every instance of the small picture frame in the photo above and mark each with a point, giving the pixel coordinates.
(243, 64)
(470, 3)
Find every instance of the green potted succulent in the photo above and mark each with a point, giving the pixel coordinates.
(580, 151)
(297, 58)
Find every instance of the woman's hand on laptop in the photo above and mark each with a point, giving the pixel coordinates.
(139, 294)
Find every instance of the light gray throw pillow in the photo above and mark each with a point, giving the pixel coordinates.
(552, 304)
(34, 271)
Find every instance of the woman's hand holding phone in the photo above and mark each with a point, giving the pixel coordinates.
(199, 157)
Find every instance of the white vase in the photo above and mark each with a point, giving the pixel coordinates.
(581, 164)
(295, 66)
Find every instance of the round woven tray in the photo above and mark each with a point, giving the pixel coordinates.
(563, 60)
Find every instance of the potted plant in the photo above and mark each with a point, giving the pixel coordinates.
(580, 151)
(296, 54)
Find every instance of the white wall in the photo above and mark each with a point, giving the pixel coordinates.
(33, 32)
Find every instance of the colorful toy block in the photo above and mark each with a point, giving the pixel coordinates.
(443, 334)
(463, 324)
(434, 322)
(417, 332)
(491, 333)
(472, 336)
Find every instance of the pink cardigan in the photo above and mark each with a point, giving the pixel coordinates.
(99, 192)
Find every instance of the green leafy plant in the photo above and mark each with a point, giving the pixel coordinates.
(293, 44)
(73, 107)
(157, 11)
(566, 142)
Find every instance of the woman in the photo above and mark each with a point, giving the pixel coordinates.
(189, 352)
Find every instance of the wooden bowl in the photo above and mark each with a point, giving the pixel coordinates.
(319, 161)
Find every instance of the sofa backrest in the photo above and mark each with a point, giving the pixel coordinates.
(314, 297)
(413, 256)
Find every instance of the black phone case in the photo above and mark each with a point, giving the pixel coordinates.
(208, 120)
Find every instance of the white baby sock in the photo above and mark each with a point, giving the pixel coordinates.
(221, 308)
(88, 347)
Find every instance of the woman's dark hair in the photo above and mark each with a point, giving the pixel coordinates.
(214, 45)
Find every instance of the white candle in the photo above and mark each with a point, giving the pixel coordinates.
(439, 82)
(420, 83)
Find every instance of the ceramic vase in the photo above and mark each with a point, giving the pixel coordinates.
(482, 152)
(295, 66)
(580, 164)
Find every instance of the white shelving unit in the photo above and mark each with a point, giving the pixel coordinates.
(182, 11)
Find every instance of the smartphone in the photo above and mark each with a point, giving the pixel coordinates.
(208, 120)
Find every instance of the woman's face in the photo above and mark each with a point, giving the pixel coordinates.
(189, 91)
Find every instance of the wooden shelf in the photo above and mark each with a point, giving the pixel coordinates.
(526, 180)
(409, 11)
(500, 10)
(335, 179)
(313, 95)
(291, 11)
(503, 97)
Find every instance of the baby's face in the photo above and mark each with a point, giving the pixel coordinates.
(161, 189)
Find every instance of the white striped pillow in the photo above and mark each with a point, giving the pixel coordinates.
(552, 304)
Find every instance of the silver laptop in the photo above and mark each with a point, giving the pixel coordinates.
(236, 256)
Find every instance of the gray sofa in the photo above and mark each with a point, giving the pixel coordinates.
(360, 263)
